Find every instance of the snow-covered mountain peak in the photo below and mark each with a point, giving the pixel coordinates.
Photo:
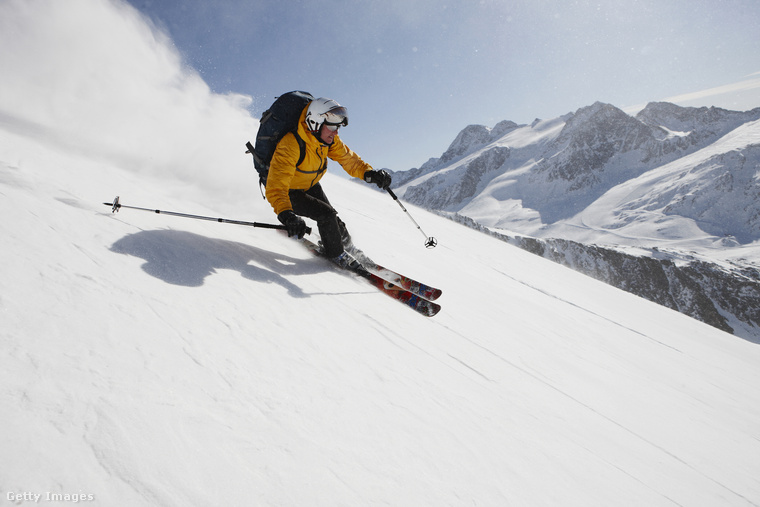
(557, 174)
(590, 139)
(473, 137)
(712, 120)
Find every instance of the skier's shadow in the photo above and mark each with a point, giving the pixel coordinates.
(184, 258)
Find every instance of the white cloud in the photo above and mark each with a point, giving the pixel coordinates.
(744, 94)
(740, 96)
(95, 75)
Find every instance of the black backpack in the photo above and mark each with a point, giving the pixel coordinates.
(281, 118)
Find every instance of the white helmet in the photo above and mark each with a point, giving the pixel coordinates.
(324, 110)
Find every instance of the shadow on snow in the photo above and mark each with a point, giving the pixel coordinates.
(184, 258)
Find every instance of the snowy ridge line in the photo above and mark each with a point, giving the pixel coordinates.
(580, 307)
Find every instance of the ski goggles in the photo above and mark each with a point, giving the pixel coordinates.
(336, 117)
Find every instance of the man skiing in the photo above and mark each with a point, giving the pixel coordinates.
(292, 185)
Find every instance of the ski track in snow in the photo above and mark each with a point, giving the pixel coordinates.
(591, 409)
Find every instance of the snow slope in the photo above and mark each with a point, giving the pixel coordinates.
(155, 360)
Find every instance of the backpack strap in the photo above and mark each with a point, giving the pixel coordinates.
(302, 148)
(263, 177)
(250, 150)
(256, 158)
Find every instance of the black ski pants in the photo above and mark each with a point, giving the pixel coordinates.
(313, 204)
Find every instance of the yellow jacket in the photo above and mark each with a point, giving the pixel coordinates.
(284, 176)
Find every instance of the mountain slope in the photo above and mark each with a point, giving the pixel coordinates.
(153, 360)
(715, 189)
(538, 179)
(612, 195)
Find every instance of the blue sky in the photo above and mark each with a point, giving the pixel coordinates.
(413, 73)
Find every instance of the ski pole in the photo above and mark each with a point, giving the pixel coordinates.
(430, 241)
(116, 206)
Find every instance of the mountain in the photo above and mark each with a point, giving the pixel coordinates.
(532, 177)
(676, 184)
(156, 360)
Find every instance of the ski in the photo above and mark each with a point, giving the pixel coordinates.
(417, 303)
(424, 291)
(410, 299)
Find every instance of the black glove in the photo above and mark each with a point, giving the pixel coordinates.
(380, 178)
(294, 224)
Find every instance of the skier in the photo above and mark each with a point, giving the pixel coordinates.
(293, 188)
